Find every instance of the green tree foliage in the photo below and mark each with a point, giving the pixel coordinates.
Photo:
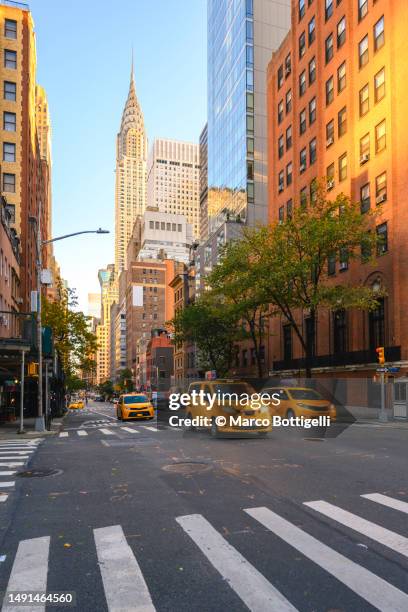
(125, 381)
(106, 389)
(212, 328)
(74, 342)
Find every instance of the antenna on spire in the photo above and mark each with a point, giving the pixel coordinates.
(132, 74)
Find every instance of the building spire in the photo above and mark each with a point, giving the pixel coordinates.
(132, 72)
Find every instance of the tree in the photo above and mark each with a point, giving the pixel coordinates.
(287, 263)
(231, 280)
(73, 340)
(125, 381)
(212, 328)
(106, 389)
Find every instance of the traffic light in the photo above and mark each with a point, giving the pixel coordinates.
(380, 354)
(33, 369)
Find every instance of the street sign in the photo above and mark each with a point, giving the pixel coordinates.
(394, 369)
(382, 370)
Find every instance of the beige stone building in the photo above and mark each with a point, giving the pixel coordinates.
(109, 295)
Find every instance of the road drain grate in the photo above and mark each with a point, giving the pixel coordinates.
(39, 473)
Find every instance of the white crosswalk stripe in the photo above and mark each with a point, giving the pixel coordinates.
(11, 464)
(396, 504)
(29, 572)
(7, 484)
(107, 432)
(81, 432)
(3, 497)
(14, 455)
(373, 531)
(130, 430)
(150, 428)
(125, 587)
(7, 473)
(249, 584)
(63, 434)
(369, 586)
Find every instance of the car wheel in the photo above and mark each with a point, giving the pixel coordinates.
(215, 433)
(290, 414)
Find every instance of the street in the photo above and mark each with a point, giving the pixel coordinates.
(129, 516)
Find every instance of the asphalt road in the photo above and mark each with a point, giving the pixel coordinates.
(140, 517)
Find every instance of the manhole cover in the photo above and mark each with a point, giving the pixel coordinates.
(39, 473)
(187, 467)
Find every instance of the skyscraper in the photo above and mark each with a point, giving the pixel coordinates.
(173, 179)
(131, 177)
(109, 295)
(242, 34)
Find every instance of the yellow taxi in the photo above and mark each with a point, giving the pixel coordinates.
(134, 406)
(299, 401)
(76, 405)
(226, 407)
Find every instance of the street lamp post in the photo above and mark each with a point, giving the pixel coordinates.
(39, 422)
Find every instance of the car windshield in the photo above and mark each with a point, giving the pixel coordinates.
(305, 394)
(238, 388)
(135, 399)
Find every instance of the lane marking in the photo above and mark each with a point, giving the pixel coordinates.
(123, 582)
(372, 588)
(3, 497)
(384, 536)
(29, 572)
(396, 504)
(107, 432)
(149, 428)
(7, 484)
(63, 434)
(257, 593)
(7, 473)
(129, 429)
(81, 432)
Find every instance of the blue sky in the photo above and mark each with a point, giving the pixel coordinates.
(83, 55)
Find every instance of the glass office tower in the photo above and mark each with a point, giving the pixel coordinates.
(242, 35)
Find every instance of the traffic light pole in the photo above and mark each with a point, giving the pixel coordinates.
(383, 414)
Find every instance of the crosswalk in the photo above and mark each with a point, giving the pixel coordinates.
(127, 589)
(111, 431)
(14, 456)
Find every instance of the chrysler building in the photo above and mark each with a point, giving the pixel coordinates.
(131, 174)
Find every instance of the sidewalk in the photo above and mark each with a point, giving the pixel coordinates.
(9, 430)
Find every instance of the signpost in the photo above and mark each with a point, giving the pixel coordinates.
(382, 417)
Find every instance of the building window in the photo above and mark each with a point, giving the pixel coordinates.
(287, 342)
(312, 111)
(365, 198)
(362, 9)
(343, 167)
(302, 160)
(302, 45)
(382, 236)
(343, 260)
(302, 8)
(364, 96)
(329, 50)
(381, 188)
(9, 182)
(288, 101)
(331, 264)
(280, 147)
(302, 121)
(9, 91)
(364, 149)
(312, 151)
(9, 122)
(376, 321)
(289, 172)
(330, 177)
(280, 111)
(342, 122)
(330, 133)
(328, 9)
(341, 32)
(288, 137)
(380, 137)
(329, 91)
(363, 52)
(312, 30)
(10, 59)
(303, 197)
(312, 70)
(379, 85)
(339, 332)
(281, 214)
(289, 209)
(341, 77)
(379, 34)
(10, 28)
(302, 83)
(280, 77)
(9, 152)
(288, 65)
(281, 181)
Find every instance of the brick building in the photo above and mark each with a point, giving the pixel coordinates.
(337, 90)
